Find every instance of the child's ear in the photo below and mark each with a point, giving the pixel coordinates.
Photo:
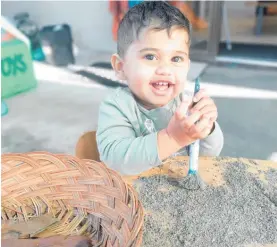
(117, 65)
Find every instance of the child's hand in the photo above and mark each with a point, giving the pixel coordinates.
(205, 105)
(187, 129)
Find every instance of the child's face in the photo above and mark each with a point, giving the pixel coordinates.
(156, 66)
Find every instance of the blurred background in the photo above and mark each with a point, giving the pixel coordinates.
(55, 65)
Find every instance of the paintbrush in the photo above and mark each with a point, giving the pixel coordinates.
(193, 181)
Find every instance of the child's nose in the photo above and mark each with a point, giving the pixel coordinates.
(164, 69)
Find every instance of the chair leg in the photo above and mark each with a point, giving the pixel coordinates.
(259, 20)
(226, 28)
(86, 147)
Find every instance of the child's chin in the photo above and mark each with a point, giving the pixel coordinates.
(161, 102)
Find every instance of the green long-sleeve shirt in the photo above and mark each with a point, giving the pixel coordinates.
(127, 133)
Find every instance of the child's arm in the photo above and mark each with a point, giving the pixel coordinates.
(118, 145)
(121, 150)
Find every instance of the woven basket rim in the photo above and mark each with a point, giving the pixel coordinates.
(66, 182)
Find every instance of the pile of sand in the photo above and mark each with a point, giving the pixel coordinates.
(237, 208)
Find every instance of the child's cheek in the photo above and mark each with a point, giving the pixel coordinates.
(140, 74)
(181, 74)
(145, 70)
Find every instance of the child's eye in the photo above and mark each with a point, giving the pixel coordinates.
(150, 57)
(177, 59)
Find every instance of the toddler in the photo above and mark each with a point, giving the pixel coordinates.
(154, 117)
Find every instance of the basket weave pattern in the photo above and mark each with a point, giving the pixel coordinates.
(87, 197)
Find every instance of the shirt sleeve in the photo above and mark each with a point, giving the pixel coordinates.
(213, 144)
(118, 145)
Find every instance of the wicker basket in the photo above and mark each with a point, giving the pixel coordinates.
(87, 197)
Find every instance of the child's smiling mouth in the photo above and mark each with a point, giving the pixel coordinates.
(161, 87)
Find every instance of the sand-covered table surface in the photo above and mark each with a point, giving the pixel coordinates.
(238, 207)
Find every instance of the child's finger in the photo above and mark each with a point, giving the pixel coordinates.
(205, 132)
(181, 111)
(197, 128)
(204, 102)
(206, 109)
(201, 94)
(213, 119)
(202, 124)
(211, 124)
(212, 115)
(192, 119)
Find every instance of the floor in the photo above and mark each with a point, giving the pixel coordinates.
(54, 115)
(248, 123)
(242, 21)
(241, 24)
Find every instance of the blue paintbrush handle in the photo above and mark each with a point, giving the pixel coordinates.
(193, 157)
(193, 149)
(196, 87)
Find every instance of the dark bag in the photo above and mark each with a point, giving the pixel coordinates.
(59, 39)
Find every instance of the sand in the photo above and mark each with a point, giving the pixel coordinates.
(239, 209)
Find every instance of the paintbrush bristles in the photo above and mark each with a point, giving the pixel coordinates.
(192, 182)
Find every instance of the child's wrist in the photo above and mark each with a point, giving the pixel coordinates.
(166, 144)
(172, 140)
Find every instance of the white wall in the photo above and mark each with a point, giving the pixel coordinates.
(91, 21)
